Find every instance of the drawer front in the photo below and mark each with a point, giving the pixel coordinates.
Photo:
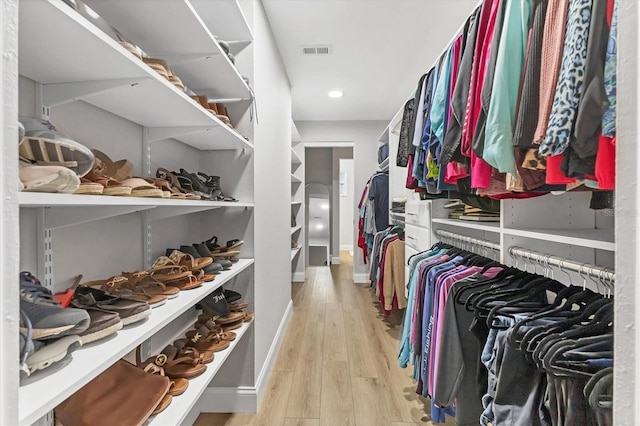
(417, 238)
(418, 213)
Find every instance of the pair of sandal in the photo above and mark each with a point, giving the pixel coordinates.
(229, 250)
(201, 184)
(114, 178)
(228, 314)
(181, 270)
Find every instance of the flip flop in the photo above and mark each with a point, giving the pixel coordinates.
(120, 286)
(163, 404)
(215, 328)
(165, 270)
(205, 340)
(143, 280)
(173, 364)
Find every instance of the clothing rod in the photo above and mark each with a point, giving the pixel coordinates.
(475, 241)
(562, 263)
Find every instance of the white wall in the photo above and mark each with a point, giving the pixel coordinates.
(272, 139)
(364, 135)
(346, 206)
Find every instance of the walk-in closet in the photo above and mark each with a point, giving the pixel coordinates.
(319, 213)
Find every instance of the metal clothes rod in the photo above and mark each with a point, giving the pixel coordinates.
(474, 241)
(562, 263)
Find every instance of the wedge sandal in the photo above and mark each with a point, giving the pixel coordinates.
(118, 170)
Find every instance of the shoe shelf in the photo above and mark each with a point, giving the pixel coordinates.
(75, 60)
(181, 405)
(601, 239)
(225, 20)
(296, 203)
(36, 395)
(176, 33)
(71, 209)
(295, 252)
(481, 226)
(295, 229)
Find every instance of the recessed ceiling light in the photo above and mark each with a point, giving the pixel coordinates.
(335, 94)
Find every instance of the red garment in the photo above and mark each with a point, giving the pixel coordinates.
(380, 286)
(412, 183)
(555, 176)
(480, 172)
(606, 163)
(454, 172)
(481, 56)
(361, 241)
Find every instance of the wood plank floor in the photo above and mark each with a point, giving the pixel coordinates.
(338, 361)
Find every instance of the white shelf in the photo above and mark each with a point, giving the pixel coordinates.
(181, 405)
(176, 33)
(601, 239)
(295, 179)
(296, 203)
(225, 20)
(384, 166)
(384, 137)
(294, 252)
(392, 213)
(295, 135)
(36, 396)
(74, 60)
(72, 209)
(295, 158)
(295, 229)
(481, 226)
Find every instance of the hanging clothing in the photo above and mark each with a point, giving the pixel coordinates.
(570, 81)
(498, 148)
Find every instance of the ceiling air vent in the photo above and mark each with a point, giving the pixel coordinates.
(317, 50)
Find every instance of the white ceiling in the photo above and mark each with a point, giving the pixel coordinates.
(380, 50)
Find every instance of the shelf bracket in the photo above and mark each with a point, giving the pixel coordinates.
(62, 93)
(167, 212)
(45, 249)
(155, 134)
(67, 216)
(192, 57)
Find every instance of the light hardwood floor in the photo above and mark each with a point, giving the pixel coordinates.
(338, 361)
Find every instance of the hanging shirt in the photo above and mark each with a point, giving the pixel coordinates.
(498, 147)
(570, 81)
(550, 61)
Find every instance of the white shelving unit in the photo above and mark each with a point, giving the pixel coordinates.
(36, 397)
(297, 204)
(190, 49)
(77, 75)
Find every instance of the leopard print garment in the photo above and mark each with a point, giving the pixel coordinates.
(570, 81)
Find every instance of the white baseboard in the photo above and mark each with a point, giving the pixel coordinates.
(246, 399)
(335, 260)
(346, 247)
(272, 355)
(361, 278)
(298, 277)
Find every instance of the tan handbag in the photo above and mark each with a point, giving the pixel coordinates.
(121, 395)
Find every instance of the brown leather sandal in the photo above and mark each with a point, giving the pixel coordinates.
(119, 286)
(174, 365)
(143, 280)
(205, 340)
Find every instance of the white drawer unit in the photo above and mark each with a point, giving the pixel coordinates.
(417, 237)
(418, 213)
